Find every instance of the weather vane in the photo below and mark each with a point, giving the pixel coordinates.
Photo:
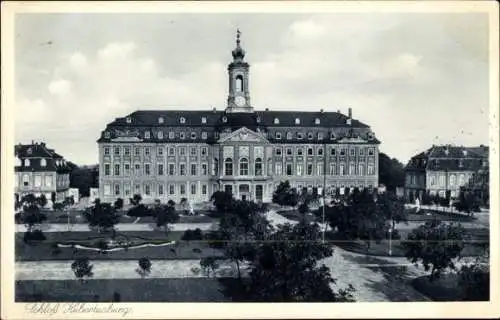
(238, 33)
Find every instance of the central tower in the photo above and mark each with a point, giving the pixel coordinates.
(238, 99)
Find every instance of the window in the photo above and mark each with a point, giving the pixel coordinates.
(228, 167)
(300, 169)
(371, 169)
(320, 151)
(289, 151)
(371, 152)
(38, 180)
(204, 151)
(310, 135)
(117, 189)
(204, 135)
(333, 169)
(171, 151)
(183, 189)
(332, 135)
(171, 169)
(107, 169)
(193, 169)
(160, 169)
(147, 189)
(460, 163)
(351, 169)
(204, 169)
(171, 135)
(352, 151)
(204, 189)
(342, 152)
(107, 135)
(278, 135)
(310, 151)
(160, 134)
(171, 189)
(182, 169)
(26, 180)
(126, 151)
(276, 121)
(215, 167)
(106, 151)
(193, 188)
(279, 169)
(289, 169)
(160, 120)
(147, 151)
(137, 169)
(48, 181)
(300, 135)
(137, 189)
(193, 135)
(297, 121)
(333, 151)
(27, 162)
(147, 135)
(361, 151)
(117, 170)
(203, 119)
(258, 167)
(342, 169)
(320, 135)
(182, 135)
(442, 179)
(361, 169)
(277, 151)
(129, 120)
(317, 121)
(107, 189)
(224, 119)
(243, 167)
(453, 180)
(43, 162)
(309, 169)
(182, 151)
(160, 189)
(300, 151)
(137, 151)
(182, 120)
(126, 169)
(159, 151)
(193, 151)
(289, 136)
(228, 188)
(269, 167)
(319, 169)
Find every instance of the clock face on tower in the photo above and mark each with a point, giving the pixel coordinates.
(240, 101)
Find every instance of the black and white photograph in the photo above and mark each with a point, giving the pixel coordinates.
(194, 154)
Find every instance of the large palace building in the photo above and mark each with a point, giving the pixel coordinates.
(175, 154)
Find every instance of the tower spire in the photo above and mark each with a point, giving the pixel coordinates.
(238, 52)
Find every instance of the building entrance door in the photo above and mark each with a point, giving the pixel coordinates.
(258, 192)
(244, 191)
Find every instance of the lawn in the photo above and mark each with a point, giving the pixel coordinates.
(295, 215)
(130, 290)
(45, 250)
(437, 215)
(443, 289)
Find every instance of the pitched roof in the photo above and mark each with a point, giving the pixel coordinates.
(37, 153)
(448, 157)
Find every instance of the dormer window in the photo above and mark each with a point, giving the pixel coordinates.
(317, 121)
(258, 119)
(160, 134)
(182, 120)
(147, 135)
(193, 135)
(320, 135)
(161, 120)
(30, 151)
(203, 119)
(289, 136)
(204, 135)
(224, 119)
(128, 120)
(297, 121)
(171, 135)
(107, 135)
(310, 135)
(182, 135)
(332, 135)
(460, 163)
(27, 162)
(300, 135)
(276, 121)
(278, 135)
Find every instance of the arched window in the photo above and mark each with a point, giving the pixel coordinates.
(361, 169)
(276, 121)
(289, 136)
(258, 167)
(243, 167)
(160, 134)
(228, 167)
(239, 83)
(27, 162)
(182, 120)
(18, 162)
(43, 163)
(462, 179)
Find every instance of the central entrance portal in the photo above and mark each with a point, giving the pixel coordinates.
(244, 191)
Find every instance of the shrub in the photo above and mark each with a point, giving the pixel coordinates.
(190, 235)
(36, 235)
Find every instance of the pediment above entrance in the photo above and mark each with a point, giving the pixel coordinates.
(244, 135)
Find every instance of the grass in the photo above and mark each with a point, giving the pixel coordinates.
(295, 215)
(130, 290)
(445, 288)
(45, 250)
(437, 215)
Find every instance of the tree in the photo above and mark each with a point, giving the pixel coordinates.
(136, 199)
(118, 204)
(101, 215)
(190, 235)
(139, 210)
(209, 264)
(285, 268)
(83, 178)
(165, 214)
(184, 203)
(391, 172)
(144, 267)
(474, 280)
(435, 245)
(82, 268)
(42, 201)
(285, 195)
(222, 201)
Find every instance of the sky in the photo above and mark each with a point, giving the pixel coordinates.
(417, 79)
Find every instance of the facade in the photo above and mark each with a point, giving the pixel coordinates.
(175, 154)
(443, 168)
(40, 170)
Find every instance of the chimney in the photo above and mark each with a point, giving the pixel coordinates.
(32, 141)
(350, 113)
(267, 109)
(321, 110)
